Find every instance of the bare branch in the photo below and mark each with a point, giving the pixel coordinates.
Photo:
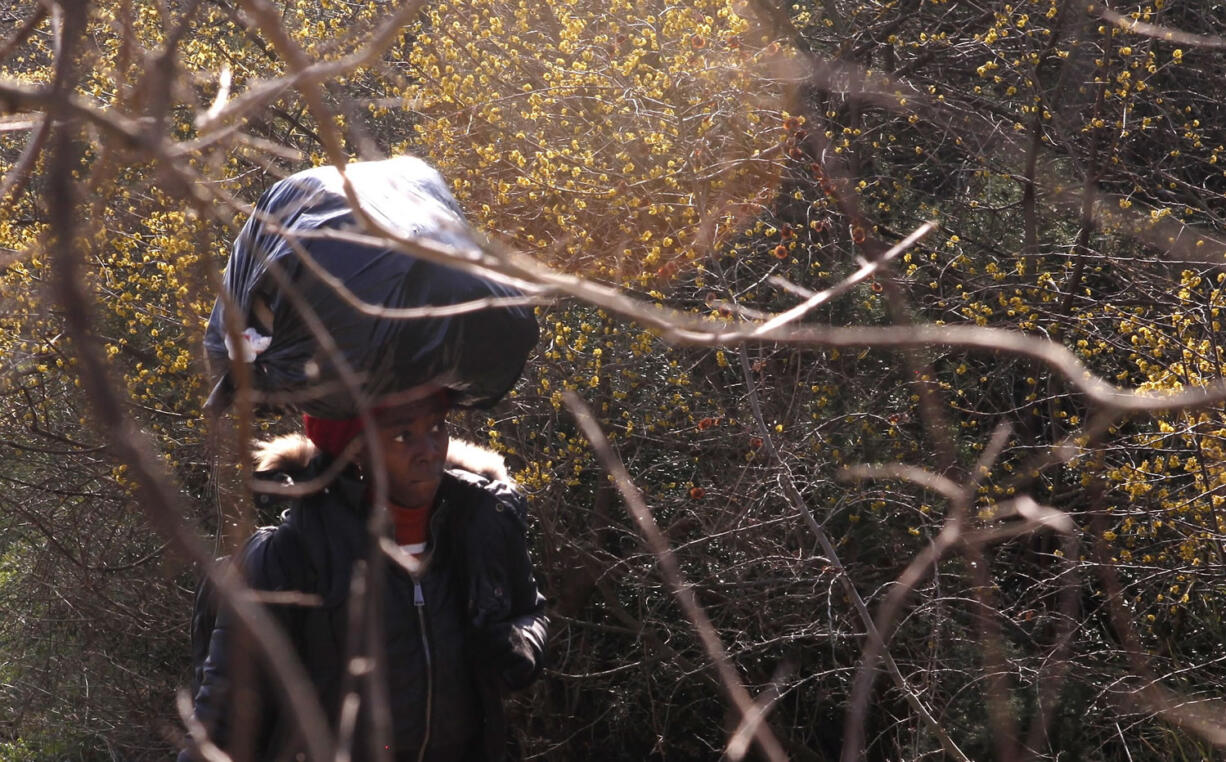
(128, 443)
(914, 474)
(197, 733)
(866, 270)
(1213, 42)
(658, 544)
(851, 743)
(22, 33)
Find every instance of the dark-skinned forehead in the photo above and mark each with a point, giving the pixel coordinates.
(434, 406)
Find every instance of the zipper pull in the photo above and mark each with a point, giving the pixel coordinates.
(419, 600)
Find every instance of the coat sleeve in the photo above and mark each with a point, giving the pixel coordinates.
(271, 560)
(510, 616)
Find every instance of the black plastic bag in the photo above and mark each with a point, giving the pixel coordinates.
(478, 354)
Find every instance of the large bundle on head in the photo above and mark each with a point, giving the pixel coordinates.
(270, 283)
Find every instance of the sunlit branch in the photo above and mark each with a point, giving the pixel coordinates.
(1157, 31)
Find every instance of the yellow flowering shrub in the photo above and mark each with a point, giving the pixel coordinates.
(693, 154)
(608, 139)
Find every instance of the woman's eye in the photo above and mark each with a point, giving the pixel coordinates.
(436, 428)
(401, 438)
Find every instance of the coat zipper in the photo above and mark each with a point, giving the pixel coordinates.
(419, 601)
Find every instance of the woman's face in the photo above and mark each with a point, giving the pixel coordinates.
(414, 442)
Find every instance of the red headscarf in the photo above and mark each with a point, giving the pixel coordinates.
(333, 435)
(410, 525)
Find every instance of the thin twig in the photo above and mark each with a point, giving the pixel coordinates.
(671, 571)
(153, 487)
(866, 270)
(356, 665)
(1129, 24)
(22, 33)
(796, 500)
(16, 179)
(198, 735)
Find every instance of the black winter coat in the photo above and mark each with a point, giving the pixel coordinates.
(456, 638)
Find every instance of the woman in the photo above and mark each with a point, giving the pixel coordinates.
(468, 625)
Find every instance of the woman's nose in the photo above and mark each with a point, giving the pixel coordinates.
(430, 450)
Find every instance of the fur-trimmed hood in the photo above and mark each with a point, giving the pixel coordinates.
(292, 452)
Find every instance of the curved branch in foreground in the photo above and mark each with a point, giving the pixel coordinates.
(1156, 31)
(687, 328)
(153, 489)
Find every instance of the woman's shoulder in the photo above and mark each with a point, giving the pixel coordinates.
(477, 460)
(275, 558)
(285, 454)
(481, 475)
(478, 477)
(300, 526)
